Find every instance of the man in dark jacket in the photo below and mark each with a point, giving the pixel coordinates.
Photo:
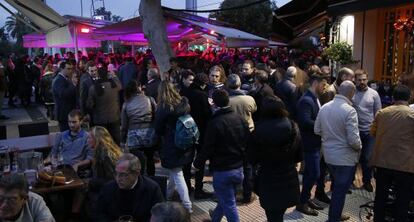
(287, 91)
(308, 108)
(86, 81)
(225, 144)
(201, 113)
(64, 94)
(127, 72)
(260, 90)
(129, 194)
(151, 88)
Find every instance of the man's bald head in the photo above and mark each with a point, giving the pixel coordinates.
(345, 74)
(347, 89)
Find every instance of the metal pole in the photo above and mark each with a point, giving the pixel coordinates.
(75, 35)
(81, 1)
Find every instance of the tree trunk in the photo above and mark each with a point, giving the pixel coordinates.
(153, 25)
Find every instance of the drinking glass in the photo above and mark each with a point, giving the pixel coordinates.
(54, 161)
(126, 218)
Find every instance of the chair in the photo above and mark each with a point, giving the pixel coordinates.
(33, 129)
(3, 132)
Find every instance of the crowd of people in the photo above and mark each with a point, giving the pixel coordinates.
(254, 118)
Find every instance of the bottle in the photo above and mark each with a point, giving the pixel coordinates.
(15, 155)
(6, 160)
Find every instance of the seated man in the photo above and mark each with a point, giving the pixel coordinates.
(129, 194)
(18, 204)
(71, 145)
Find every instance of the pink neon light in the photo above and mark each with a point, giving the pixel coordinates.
(85, 30)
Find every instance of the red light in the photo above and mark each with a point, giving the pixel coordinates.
(85, 30)
(212, 32)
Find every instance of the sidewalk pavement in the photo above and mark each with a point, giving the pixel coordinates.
(249, 213)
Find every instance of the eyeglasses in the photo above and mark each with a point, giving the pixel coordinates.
(122, 175)
(9, 200)
(215, 76)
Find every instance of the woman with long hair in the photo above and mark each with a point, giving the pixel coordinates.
(170, 107)
(137, 118)
(275, 147)
(103, 102)
(107, 153)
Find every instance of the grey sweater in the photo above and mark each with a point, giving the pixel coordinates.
(367, 103)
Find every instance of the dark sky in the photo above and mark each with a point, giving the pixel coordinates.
(124, 8)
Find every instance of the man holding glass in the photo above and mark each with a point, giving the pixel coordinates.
(71, 147)
(131, 195)
(18, 204)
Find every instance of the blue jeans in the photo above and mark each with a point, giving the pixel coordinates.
(343, 175)
(311, 174)
(367, 143)
(225, 183)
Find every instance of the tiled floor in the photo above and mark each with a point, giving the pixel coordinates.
(254, 213)
(249, 213)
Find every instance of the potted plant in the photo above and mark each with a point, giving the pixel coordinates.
(340, 54)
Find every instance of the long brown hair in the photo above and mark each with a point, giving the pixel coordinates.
(168, 96)
(105, 145)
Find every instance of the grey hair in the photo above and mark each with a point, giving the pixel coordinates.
(233, 81)
(169, 212)
(347, 88)
(134, 165)
(153, 73)
(291, 72)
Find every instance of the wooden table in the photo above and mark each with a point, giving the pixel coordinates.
(70, 174)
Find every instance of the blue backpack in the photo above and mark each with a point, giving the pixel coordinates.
(186, 132)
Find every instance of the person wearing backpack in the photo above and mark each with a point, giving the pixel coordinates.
(171, 113)
(224, 146)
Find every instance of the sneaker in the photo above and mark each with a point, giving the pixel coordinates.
(305, 209)
(199, 195)
(322, 197)
(344, 217)
(314, 205)
(253, 197)
(368, 187)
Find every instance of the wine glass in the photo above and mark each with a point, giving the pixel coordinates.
(126, 218)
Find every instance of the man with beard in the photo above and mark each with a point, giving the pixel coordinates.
(247, 75)
(308, 108)
(367, 103)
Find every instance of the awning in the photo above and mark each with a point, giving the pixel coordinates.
(39, 13)
(38, 40)
(295, 17)
(182, 27)
(341, 7)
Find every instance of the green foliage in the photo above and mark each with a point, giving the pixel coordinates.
(256, 19)
(340, 52)
(116, 18)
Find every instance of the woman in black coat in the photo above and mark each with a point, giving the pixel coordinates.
(275, 148)
(169, 108)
